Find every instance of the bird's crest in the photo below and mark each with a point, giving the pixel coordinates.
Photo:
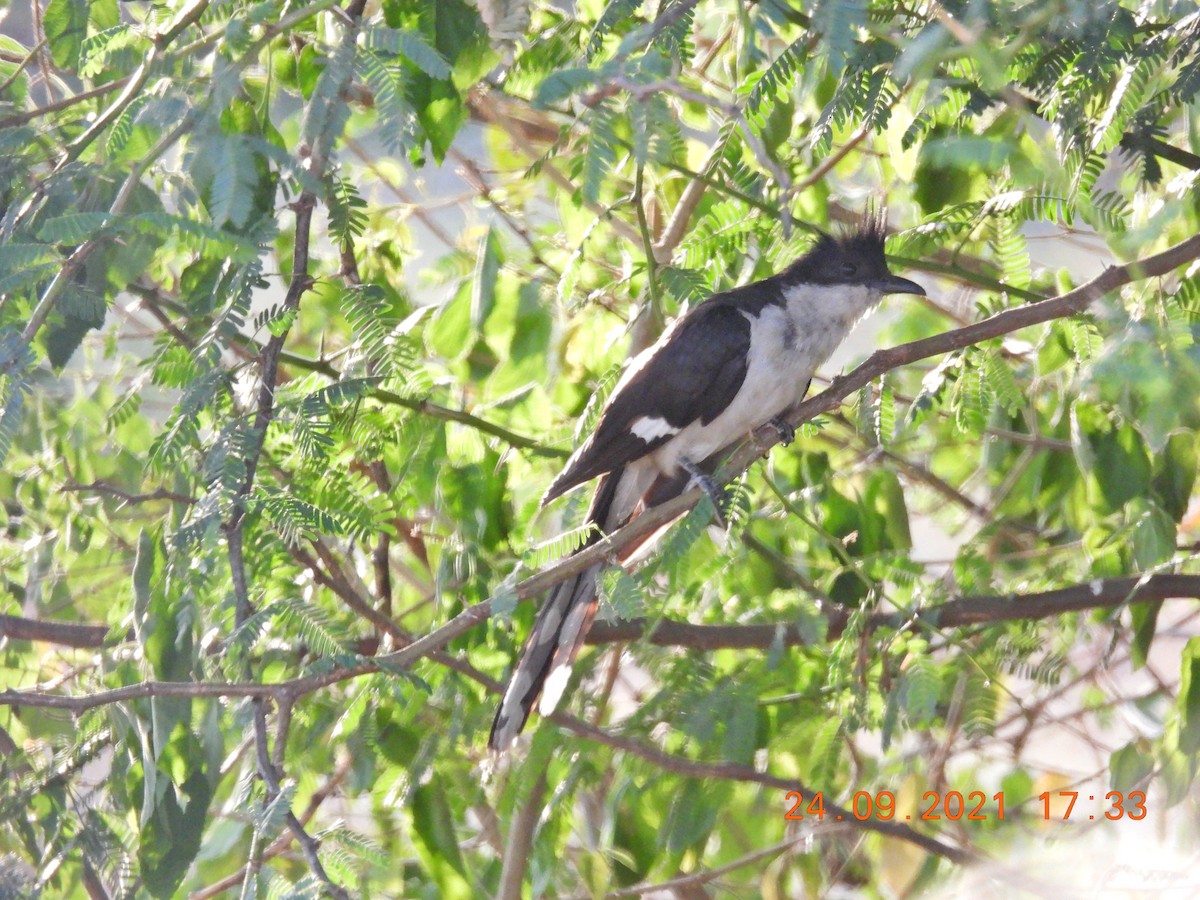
(863, 244)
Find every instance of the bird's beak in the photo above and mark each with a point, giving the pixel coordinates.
(894, 284)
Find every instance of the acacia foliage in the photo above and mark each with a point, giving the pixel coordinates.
(155, 161)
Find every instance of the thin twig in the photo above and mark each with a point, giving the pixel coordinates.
(22, 63)
(736, 772)
(520, 840)
(103, 487)
(706, 875)
(639, 202)
(284, 841)
(29, 115)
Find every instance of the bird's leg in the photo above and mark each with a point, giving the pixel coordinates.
(705, 482)
(787, 433)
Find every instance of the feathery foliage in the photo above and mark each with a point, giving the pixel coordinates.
(301, 308)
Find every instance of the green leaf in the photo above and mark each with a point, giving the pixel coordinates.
(347, 210)
(884, 421)
(885, 495)
(442, 117)
(1129, 767)
(296, 518)
(487, 268)
(202, 237)
(413, 46)
(14, 257)
(1188, 700)
(326, 113)
(461, 38)
(1144, 617)
(1176, 474)
(621, 595)
(436, 841)
(561, 85)
(65, 23)
(234, 182)
(77, 227)
(1114, 455)
(504, 600)
(171, 839)
(922, 687)
(144, 567)
(95, 50)
(398, 121)
(692, 816)
(1153, 534)
(838, 22)
(618, 12)
(825, 753)
(1001, 383)
(451, 332)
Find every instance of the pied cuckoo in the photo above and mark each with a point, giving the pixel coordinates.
(735, 362)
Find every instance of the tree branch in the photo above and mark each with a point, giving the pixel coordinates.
(956, 613)
(132, 88)
(983, 610)
(64, 103)
(290, 690)
(735, 772)
(65, 634)
(284, 841)
(671, 887)
(1147, 143)
(299, 282)
(963, 611)
(103, 487)
(520, 840)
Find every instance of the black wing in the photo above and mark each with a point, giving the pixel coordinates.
(694, 375)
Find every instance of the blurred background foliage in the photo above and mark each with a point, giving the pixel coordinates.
(506, 200)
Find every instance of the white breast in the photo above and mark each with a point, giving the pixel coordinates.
(787, 344)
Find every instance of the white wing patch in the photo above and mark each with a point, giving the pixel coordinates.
(552, 690)
(650, 428)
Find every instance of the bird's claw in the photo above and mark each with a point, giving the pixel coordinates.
(717, 494)
(787, 433)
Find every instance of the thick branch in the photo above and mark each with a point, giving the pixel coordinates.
(953, 614)
(1149, 144)
(65, 634)
(956, 613)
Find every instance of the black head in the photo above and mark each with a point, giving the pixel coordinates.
(853, 259)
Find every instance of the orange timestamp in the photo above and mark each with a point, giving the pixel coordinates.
(882, 805)
(1119, 805)
(975, 806)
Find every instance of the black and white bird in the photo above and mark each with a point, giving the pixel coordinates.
(733, 363)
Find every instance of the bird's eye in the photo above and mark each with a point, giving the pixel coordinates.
(849, 269)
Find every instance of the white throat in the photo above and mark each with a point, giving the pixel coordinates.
(838, 307)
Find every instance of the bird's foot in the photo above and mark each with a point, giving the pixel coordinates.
(787, 433)
(704, 481)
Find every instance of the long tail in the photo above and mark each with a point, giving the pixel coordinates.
(562, 623)
(559, 628)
